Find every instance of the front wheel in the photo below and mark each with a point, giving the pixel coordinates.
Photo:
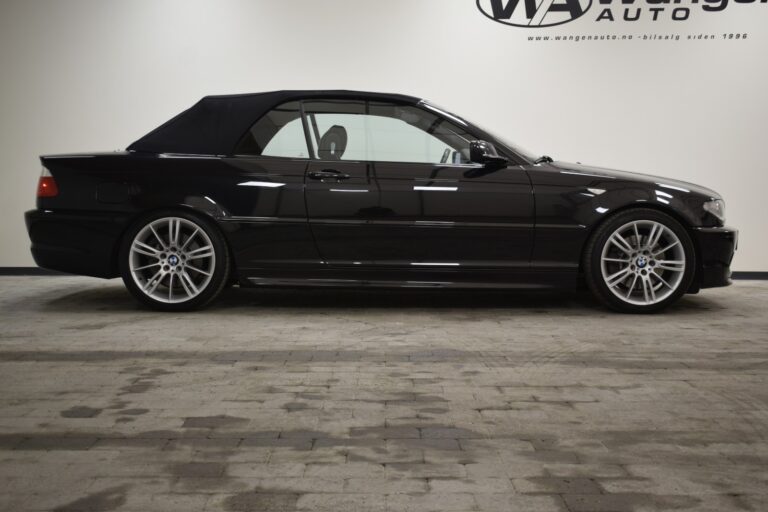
(174, 261)
(640, 261)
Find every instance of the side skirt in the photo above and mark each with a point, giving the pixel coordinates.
(476, 279)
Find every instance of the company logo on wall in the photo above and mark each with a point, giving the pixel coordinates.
(548, 13)
(533, 13)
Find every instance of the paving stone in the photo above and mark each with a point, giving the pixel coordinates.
(485, 485)
(428, 444)
(264, 470)
(585, 470)
(386, 485)
(431, 502)
(203, 443)
(403, 432)
(449, 433)
(556, 485)
(250, 501)
(500, 502)
(367, 502)
(293, 443)
(198, 469)
(627, 501)
(213, 422)
(316, 456)
(56, 443)
(137, 443)
(423, 470)
(348, 470)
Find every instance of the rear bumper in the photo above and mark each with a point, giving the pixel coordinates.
(716, 247)
(76, 243)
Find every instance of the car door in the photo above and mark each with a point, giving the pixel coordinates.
(391, 186)
(265, 211)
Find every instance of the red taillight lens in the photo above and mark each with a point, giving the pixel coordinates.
(47, 187)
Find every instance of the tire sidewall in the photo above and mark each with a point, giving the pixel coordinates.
(600, 238)
(220, 272)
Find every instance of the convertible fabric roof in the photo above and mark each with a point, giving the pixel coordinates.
(215, 124)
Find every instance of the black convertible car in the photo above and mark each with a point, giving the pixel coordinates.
(341, 188)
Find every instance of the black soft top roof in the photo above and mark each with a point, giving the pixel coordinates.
(215, 124)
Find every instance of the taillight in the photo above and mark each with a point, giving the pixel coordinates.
(46, 186)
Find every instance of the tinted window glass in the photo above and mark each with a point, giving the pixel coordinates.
(279, 133)
(384, 132)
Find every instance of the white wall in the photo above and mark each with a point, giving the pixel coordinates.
(83, 75)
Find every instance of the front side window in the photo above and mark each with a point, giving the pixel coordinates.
(383, 132)
(279, 133)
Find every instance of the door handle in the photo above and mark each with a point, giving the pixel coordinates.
(328, 174)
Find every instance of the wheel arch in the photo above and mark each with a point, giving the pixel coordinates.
(186, 208)
(675, 214)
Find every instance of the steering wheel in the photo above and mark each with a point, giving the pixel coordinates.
(446, 154)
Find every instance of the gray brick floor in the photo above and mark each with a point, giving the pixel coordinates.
(380, 401)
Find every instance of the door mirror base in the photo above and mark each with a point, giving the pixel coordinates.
(482, 152)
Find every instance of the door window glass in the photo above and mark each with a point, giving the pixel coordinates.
(383, 132)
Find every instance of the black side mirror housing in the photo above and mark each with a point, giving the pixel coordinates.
(482, 152)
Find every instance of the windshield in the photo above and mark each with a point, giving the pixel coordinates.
(528, 155)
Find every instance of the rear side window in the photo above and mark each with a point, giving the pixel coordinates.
(279, 133)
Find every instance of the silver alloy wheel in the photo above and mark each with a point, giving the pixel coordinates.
(172, 260)
(643, 262)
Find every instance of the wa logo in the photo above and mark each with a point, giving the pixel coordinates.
(533, 13)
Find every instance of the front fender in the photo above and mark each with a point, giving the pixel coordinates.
(569, 207)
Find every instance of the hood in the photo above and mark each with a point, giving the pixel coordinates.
(638, 177)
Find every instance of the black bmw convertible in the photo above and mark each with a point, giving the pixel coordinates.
(342, 188)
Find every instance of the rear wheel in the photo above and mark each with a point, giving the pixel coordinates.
(174, 261)
(640, 261)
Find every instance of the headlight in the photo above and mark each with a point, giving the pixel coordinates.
(717, 208)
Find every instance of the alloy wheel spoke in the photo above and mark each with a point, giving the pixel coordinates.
(162, 242)
(663, 281)
(618, 277)
(648, 291)
(200, 252)
(188, 284)
(174, 227)
(650, 236)
(645, 290)
(637, 234)
(146, 266)
(671, 265)
(631, 287)
(665, 249)
(153, 282)
(199, 256)
(621, 243)
(189, 239)
(191, 267)
(653, 238)
(146, 250)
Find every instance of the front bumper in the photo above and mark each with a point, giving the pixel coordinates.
(76, 243)
(716, 247)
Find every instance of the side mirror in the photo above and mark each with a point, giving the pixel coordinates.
(482, 152)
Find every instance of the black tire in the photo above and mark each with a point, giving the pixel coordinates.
(593, 264)
(219, 271)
